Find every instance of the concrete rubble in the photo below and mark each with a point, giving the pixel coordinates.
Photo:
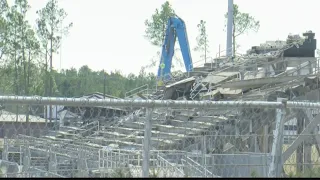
(175, 132)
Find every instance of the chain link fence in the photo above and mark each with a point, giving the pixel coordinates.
(147, 138)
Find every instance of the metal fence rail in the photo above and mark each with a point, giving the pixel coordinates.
(158, 138)
(135, 91)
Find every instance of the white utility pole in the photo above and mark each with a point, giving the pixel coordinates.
(229, 29)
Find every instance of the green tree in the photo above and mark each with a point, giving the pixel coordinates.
(68, 82)
(13, 45)
(86, 79)
(16, 46)
(26, 55)
(73, 83)
(3, 6)
(3, 28)
(32, 65)
(202, 40)
(156, 27)
(242, 23)
(16, 26)
(24, 39)
(50, 30)
(5, 70)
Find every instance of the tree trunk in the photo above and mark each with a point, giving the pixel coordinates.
(25, 75)
(16, 64)
(46, 83)
(51, 54)
(29, 73)
(50, 79)
(24, 72)
(27, 92)
(205, 49)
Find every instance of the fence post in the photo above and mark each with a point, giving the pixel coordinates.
(204, 155)
(146, 143)
(26, 158)
(275, 168)
(5, 150)
(100, 152)
(52, 162)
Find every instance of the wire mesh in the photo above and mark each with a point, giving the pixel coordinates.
(82, 138)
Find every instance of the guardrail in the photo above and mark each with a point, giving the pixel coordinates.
(141, 89)
(188, 164)
(162, 162)
(203, 170)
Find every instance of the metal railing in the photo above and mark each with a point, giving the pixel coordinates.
(164, 163)
(197, 64)
(229, 130)
(199, 167)
(141, 89)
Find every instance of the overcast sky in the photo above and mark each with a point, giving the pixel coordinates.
(109, 34)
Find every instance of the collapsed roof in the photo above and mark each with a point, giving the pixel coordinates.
(261, 74)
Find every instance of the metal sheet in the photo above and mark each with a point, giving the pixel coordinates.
(259, 82)
(181, 82)
(219, 77)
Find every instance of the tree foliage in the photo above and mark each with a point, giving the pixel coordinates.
(50, 30)
(26, 53)
(202, 40)
(156, 26)
(155, 31)
(3, 27)
(51, 25)
(74, 83)
(242, 23)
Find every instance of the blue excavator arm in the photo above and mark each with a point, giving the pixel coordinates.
(176, 28)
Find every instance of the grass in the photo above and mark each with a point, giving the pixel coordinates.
(290, 165)
(122, 173)
(315, 172)
(153, 173)
(254, 174)
(3, 171)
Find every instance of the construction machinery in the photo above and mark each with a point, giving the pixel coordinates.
(175, 28)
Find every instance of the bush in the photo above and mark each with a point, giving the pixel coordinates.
(121, 173)
(315, 172)
(154, 173)
(254, 173)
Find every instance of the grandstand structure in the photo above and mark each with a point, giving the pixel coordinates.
(100, 141)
